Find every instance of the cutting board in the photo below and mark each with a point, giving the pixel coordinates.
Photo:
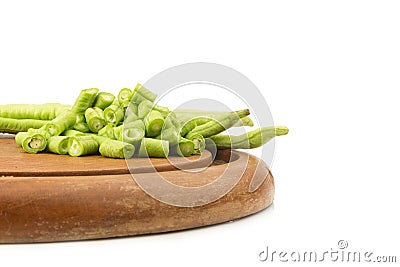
(47, 197)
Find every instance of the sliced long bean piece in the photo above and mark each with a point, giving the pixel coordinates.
(58, 144)
(107, 131)
(215, 127)
(199, 143)
(103, 100)
(35, 141)
(248, 140)
(185, 148)
(82, 145)
(154, 123)
(19, 137)
(133, 131)
(140, 93)
(144, 108)
(61, 123)
(85, 100)
(153, 148)
(124, 96)
(80, 124)
(73, 133)
(95, 119)
(37, 112)
(8, 125)
(114, 114)
(171, 135)
(116, 149)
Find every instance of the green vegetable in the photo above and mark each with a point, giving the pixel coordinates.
(95, 119)
(199, 143)
(116, 149)
(124, 96)
(114, 114)
(245, 121)
(169, 134)
(154, 122)
(85, 100)
(8, 125)
(133, 131)
(188, 126)
(73, 133)
(140, 94)
(248, 140)
(153, 148)
(58, 144)
(118, 132)
(80, 124)
(107, 131)
(185, 148)
(36, 112)
(19, 137)
(34, 141)
(104, 100)
(144, 108)
(62, 122)
(82, 145)
(215, 127)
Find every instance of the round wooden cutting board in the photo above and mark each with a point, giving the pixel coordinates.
(47, 197)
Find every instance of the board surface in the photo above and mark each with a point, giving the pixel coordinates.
(93, 197)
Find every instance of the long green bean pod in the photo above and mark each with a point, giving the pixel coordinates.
(61, 123)
(248, 140)
(114, 114)
(36, 112)
(185, 148)
(202, 117)
(103, 100)
(95, 119)
(82, 145)
(58, 144)
(116, 149)
(187, 127)
(215, 127)
(154, 123)
(85, 100)
(8, 125)
(153, 148)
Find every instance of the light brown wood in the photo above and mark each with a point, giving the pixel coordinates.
(59, 207)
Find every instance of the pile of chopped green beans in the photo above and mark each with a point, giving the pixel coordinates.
(126, 125)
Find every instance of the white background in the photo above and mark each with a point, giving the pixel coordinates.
(329, 70)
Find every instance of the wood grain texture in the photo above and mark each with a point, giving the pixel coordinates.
(77, 207)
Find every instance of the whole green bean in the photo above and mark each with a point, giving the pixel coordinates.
(248, 140)
(215, 127)
(27, 111)
(8, 125)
